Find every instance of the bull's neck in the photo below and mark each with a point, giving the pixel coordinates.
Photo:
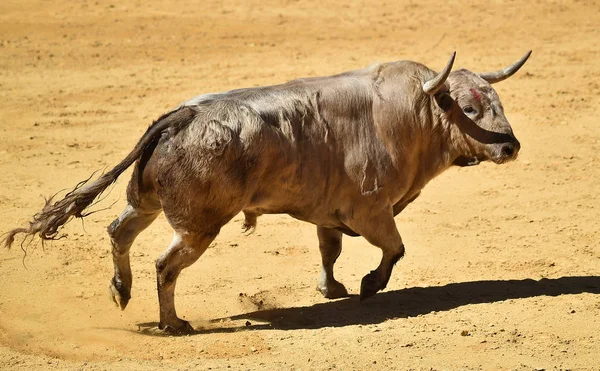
(431, 151)
(436, 155)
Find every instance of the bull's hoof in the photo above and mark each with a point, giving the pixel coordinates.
(177, 328)
(118, 294)
(369, 285)
(333, 290)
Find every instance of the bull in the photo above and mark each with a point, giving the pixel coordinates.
(346, 153)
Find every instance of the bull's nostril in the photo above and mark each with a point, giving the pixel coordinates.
(508, 149)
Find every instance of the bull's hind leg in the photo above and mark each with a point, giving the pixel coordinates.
(330, 245)
(184, 250)
(123, 232)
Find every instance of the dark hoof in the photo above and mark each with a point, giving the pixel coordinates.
(369, 286)
(333, 291)
(180, 328)
(118, 294)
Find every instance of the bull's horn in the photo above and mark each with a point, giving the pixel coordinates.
(494, 77)
(432, 86)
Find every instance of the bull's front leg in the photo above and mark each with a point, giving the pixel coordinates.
(330, 245)
(380, 230)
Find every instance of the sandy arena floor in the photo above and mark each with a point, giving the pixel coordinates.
(503, 262)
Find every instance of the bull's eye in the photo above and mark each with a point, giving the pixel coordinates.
(468, 110)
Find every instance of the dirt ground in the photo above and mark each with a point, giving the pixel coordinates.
(503, 262)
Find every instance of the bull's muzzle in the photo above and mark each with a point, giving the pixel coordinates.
(506, 151)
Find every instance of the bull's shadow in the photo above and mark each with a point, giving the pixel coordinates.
(414, 301)
(404, 303)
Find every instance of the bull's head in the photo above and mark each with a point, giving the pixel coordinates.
(480, 130)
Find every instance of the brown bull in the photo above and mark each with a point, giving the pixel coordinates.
(346, 153)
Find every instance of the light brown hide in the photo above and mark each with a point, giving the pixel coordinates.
(345, 153)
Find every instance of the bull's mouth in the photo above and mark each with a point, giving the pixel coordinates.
(499, 159)
(503, 159)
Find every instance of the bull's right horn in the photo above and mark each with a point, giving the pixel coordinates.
(432, 86)
(497, 76)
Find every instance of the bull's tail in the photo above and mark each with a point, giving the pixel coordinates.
(47, 223)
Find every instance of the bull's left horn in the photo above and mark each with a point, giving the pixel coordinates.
(432, 86)
(494, 77)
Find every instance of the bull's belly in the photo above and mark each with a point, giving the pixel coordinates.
(322, 213)
(314, 216)
(315, 208)
(327, 220)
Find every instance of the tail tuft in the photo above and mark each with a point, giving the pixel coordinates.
(47, 223)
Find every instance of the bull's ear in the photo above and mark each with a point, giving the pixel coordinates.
(444, 101)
